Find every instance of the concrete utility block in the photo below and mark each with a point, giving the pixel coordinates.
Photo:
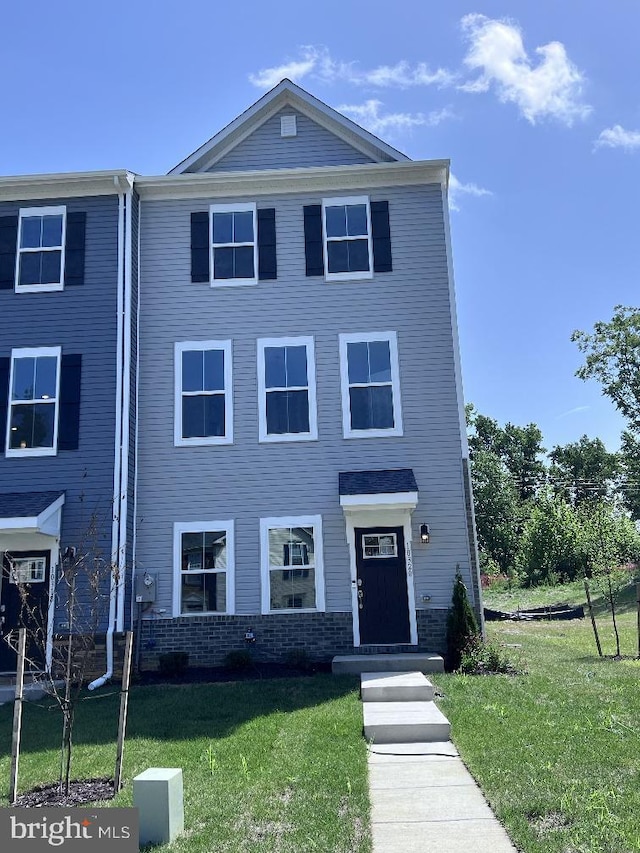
(404, 722)
(409, 662)
(395, 687)
(158, 794)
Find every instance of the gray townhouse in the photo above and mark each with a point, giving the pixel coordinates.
(68, 313)
(303, 476)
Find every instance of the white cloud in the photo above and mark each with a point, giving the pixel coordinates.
(370, 116)
(318, 62)
(457, 189)
(575, 411)
(550, 89)
(618, 137)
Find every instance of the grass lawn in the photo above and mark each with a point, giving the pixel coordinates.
(556, 750)
(273, 765)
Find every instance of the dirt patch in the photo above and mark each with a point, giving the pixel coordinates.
(80, 792)
(550, 822)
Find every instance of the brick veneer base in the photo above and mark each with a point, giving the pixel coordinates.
(209, 639)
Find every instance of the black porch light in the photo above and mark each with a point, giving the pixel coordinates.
(424, 533)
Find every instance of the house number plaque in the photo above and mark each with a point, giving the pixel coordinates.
(409, 560)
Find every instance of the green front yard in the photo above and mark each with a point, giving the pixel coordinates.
(273, 765)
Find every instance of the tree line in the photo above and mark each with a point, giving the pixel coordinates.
(551, 516)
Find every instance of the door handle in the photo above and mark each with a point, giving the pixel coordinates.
(360, 594)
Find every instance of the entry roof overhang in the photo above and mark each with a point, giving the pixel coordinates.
(31, 512)
(378, 490)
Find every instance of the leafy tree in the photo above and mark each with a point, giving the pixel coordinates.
(497, 510)
(629, 462)
(612, 357)
(551, 546)
(583, 471)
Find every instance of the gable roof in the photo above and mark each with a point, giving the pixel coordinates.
(287, 94)
(377, 482)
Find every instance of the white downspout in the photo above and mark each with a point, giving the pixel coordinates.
(113, 590)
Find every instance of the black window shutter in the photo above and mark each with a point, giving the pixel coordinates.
(267, 260)
(5, 367)
(8, 248)
(74, 248)
(313, 253)
(200, 246)
(69, 414)
(381, 236)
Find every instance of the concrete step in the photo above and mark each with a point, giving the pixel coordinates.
(406, 662)
(404, 722)
(395, 687)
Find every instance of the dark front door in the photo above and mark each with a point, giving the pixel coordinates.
(27, 571)
(381, 576)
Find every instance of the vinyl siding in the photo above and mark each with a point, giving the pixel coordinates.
(82, 319)
(248, 480)
(265, 148)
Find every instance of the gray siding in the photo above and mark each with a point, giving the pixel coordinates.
(248, 480)
(82, 320)
(266, 149)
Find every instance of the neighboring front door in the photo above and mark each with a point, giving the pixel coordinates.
(381, 578)
(31, 571)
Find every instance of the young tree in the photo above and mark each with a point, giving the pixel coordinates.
(551, 547)
(462, 626)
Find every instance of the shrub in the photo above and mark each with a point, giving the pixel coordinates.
(238, 660)
(480, 658)
(461, 623)
(299, 659)
(173, 663)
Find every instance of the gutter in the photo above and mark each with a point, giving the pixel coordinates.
(114, 582)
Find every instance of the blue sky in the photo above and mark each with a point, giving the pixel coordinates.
(536, 105)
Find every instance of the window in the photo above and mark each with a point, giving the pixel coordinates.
(204, 567)
(33, 402)
(27, 570)
(40, 256)
(287, 389)
(292, 566)
(370, 385)
(203, 410)
(347, 238)
(233, 244)
(379, 545)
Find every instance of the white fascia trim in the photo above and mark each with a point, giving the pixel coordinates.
(266, 524)
(381, 500)
(321, 179)
(25, 452)
(51, 607)
(233, 208)
(362, 337)
(308, 342)
(77, 184)
(47, 522)
(282, 95)
(59, 210)
(181, 527)
(185, 346)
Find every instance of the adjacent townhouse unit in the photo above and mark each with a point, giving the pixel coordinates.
(303, 475)
(68, 285)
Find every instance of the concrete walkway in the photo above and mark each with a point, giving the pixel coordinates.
(424, 799)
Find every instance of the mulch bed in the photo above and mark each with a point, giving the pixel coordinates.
(206, 675)
(80, 792)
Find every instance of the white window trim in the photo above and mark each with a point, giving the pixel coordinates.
(227, 438)
(34, 352)
(41, 211)
(362, 337)
(266, 524)
(346, 276)
(234, 208)
(181, 527)
(312, 435)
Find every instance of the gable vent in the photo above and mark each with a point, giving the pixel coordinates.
(288, 126)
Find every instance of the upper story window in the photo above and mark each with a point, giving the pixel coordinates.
(233, 244)
(287, 389)
(203, 410)
(347, 238)
(292, 565)
(370, 385)
(32, 425)
(204, 567)
(41, 241)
